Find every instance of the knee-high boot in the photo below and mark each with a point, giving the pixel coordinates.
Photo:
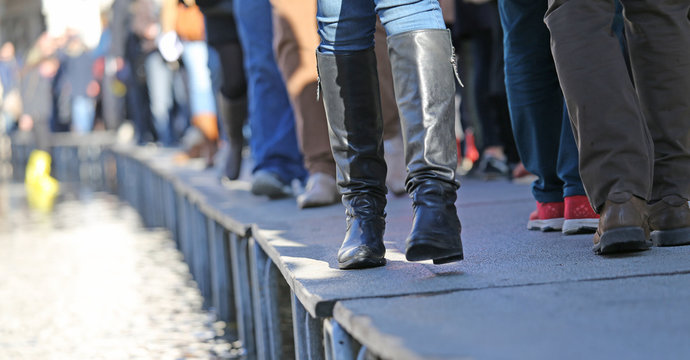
(349, 85)
(423, 75)
(234, 115)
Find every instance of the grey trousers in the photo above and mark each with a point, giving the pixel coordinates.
(633, 135)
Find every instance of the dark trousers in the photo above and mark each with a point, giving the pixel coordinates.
(540, 123)
(633, 134)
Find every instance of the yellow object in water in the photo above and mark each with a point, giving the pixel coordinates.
(41, 188)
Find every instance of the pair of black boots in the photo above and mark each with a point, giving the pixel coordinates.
(423, 75)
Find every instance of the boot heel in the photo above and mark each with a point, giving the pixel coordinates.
(675, 237)
(627, 239)
(428, 251)
(447, 260)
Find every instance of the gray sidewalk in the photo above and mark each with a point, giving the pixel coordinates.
(517, 294)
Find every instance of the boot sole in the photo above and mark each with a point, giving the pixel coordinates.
(426, 251)
(545, 225)
(361, 263)
(675, 237)
(621, 240)
(580, 226)
(271, 189)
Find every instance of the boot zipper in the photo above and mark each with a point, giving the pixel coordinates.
(454, 63)
(318, 84)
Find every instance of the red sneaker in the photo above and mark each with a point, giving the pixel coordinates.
(547, 217)
(579, 216)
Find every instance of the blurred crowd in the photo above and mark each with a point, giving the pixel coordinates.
(224, 80)
(217, 74)
(230, 80)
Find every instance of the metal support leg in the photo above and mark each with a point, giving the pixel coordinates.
(220, 272)
(337, 343)
(272, 311)
(239, 260)
(308, 332)
(201, 255)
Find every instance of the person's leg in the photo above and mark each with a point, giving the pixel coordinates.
(394, 149)
(493, 161)
(534, 96)
(616, 154)
(422, 60)
(349, 85)
(295, 41)
(273, 142)
(658, 34)
(540, 123)
(233, 105)
(82, 114)
(159, 79)
(195, 57)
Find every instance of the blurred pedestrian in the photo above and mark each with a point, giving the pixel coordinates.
(159, 74)
(221, 34)
(296, 40)
(422, 60)
(273, 142)
(183, 37)
(40, 68)
(78, 84)
(633, 134)
(10, 97)
(116, 30)
(477, 24)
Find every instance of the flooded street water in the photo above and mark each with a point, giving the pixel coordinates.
(86, 281)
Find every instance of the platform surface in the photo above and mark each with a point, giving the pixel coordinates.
(536, 292)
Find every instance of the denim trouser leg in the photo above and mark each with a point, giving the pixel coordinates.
(159, 79)
(273, 142)
(83, 112)
(349, 25)
(138, 108)
(541, 126)
(196, 61)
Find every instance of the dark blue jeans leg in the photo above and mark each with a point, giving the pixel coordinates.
(536, 103)
(273, 141)
(568, 158)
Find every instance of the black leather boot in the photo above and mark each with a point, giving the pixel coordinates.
(424, 77)
(233, 115)
(349, 84)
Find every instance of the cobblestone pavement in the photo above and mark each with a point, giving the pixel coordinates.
(87, 282)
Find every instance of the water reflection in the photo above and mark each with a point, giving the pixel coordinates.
(86, 281)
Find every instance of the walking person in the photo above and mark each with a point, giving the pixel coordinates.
(540, 122)
(273, 143)
(295, 40)
(633, 135)
(221, 34)
(422, 61)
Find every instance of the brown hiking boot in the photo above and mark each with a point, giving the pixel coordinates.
(623, 225)
(669, 221)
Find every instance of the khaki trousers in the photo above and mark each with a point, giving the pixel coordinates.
(633, 135)
(295, 43)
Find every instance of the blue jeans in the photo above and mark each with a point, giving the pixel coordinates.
(167, 98)
(273, 139)
(195, 57)
(159, 79)
(349, 25)
(83, 112)
(540, 121)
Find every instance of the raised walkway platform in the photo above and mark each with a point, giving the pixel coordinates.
(269, 268)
